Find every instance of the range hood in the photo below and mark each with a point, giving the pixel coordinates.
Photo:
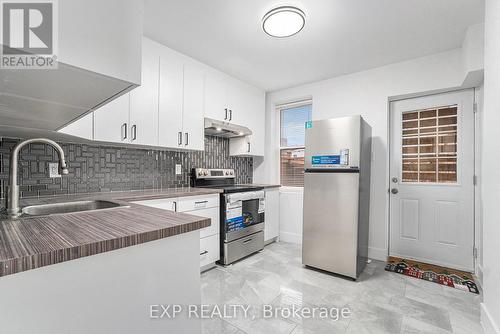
(224, 129)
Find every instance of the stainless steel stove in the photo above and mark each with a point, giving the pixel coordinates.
(242, 213)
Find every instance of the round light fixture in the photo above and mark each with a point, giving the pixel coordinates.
(283, 21)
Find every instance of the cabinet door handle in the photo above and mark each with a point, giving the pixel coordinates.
(187, 139)
(204, 252)
(124, 131)
(225, 117)
(180, 138)
(134, 132)
(175, 207)
(230, 115)
(249, 146)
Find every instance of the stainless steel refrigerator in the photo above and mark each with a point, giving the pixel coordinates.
(337, 195)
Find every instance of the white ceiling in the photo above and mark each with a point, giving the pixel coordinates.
(340, 36)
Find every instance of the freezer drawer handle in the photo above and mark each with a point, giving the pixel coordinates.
(201, 202)
(204, 252)
(247, 241)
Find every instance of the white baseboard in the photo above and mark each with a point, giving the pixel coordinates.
(377, 253)
(294, 238)
(489, 325)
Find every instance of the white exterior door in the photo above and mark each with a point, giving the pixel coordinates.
(431, 179)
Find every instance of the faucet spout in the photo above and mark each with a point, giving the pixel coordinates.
(12, 205)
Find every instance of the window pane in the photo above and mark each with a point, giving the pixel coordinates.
(292, 167)
(429, 145)
(293, 125)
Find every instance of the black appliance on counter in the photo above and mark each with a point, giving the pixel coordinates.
(242, 215)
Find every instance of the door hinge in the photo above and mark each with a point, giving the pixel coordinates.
(474, 107)
(474, 252)
(474, 180)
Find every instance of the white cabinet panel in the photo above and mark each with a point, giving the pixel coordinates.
(144, 99)
(213, 214)
(215, 97)
(83, 127)
(193, 123)
(170, 99)
(209, 250)
(111, 121)
(272, 215)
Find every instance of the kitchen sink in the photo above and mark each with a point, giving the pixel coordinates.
(68, 207)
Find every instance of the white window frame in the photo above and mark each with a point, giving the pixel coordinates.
(280, 107)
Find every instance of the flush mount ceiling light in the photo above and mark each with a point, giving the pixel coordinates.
(283, 21)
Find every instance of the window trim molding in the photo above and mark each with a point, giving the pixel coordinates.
(278, 108)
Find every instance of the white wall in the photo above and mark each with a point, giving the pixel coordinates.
(366, 93)
(490, 170)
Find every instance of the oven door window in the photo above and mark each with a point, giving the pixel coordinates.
(242, 214)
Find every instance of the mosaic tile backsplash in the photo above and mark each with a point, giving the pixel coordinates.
(106, 168)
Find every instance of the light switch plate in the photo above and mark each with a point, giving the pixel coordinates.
(54, 170)
(178, 169)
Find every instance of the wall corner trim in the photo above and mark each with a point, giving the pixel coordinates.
(487, 321)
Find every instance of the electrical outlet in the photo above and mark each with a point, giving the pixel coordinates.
(178, 169)
(54, 170)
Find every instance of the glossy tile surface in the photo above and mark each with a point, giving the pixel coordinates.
(379, 302)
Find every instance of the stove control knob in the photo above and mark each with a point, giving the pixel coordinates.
(231, 173)
(205, 173)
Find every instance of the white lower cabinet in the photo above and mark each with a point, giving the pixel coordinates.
(203, 206)
(165, 204)
(272, 218)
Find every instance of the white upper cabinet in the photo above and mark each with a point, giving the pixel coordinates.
(192, 121)
(111, 121)
(102, 36)
(216, 106)
(144, 99)
(170, 99)
(168, 109)
(98, 56)
(251, 113)
(83, 127)
(236, 101)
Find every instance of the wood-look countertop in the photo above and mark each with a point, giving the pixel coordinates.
(33, 242)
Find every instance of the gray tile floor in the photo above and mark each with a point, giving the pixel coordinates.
(380, 302)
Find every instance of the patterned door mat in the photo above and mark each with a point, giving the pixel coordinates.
(445, 276)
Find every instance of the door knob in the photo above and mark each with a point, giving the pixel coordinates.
(394, 191)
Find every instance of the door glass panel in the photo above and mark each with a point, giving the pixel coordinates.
(429, 145)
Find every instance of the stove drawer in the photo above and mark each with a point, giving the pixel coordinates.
(193, 203)
(240, 248)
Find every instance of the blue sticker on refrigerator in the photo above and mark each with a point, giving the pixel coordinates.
(325, 160)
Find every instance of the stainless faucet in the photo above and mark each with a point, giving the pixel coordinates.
(12, 205)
